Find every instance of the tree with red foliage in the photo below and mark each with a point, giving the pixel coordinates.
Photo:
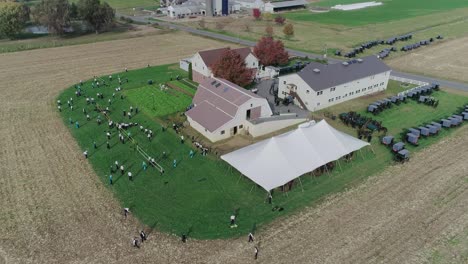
(279, 20)
(271, 52)
(256, 13)
(231, 67)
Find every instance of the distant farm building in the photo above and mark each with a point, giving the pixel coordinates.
(202, 61)
(222, 109)
(318, 86)
(272, 7)
(202, 8)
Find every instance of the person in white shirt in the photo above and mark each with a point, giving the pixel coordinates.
(233, 220)
(130, 176)
(135, 242)
(251, 237)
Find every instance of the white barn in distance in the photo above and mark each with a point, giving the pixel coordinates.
(318, 86)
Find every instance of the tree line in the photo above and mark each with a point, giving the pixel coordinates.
(56, 15)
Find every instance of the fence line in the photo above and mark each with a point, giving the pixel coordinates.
(411, 81)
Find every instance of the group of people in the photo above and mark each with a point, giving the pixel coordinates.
(199, 146)
(250, 236)
(143, 236)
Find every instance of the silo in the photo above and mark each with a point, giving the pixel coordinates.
(209, 7)
(225, 8)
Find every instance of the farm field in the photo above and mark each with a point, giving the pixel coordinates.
(315, 37)
(443, 61)
(122, 31)
(47, 190)
(390, 10)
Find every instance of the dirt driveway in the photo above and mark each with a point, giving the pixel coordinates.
(53, 209)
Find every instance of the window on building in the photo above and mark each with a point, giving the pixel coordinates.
(358, 91)
(307, 91)
(382, 83)
(332, 89)
(284, 82)
(241, 126)
(318, 103)
(376, 85)
(222, 132)
(345, 95)
(251, 105)
(253, 63)
(364, 89)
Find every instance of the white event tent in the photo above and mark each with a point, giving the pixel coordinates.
(276, 161)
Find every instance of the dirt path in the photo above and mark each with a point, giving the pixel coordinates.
(53, 209)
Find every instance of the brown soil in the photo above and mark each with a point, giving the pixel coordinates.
(445, 60)
(53, 208)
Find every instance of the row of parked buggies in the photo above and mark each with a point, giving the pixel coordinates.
(416, 94)
(412, 135)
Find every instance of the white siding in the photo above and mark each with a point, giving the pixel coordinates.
(251, 61)
(264, 128)
(199, 65)
(340, 93)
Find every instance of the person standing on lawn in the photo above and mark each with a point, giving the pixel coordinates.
(130, 176)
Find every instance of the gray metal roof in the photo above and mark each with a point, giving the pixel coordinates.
(323, 76)
(288, 3)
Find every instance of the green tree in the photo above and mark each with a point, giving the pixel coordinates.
(190, 73)
(98, 15)
(55, 14)
(13, 18)
(73, 11)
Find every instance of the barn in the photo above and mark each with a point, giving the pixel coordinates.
(222, 109)
(273, 7)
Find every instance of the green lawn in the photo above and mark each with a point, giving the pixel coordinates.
(200, 194)
(158, 102)
(390, 10)
(185, 85)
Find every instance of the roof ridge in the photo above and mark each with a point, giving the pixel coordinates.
(217, 95)
(206, 101)
(238, 88)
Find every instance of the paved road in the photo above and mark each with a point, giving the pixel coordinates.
(144, 19)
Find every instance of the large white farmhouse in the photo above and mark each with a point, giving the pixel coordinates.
(202, 61)
(222, 109)
(318, 86)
